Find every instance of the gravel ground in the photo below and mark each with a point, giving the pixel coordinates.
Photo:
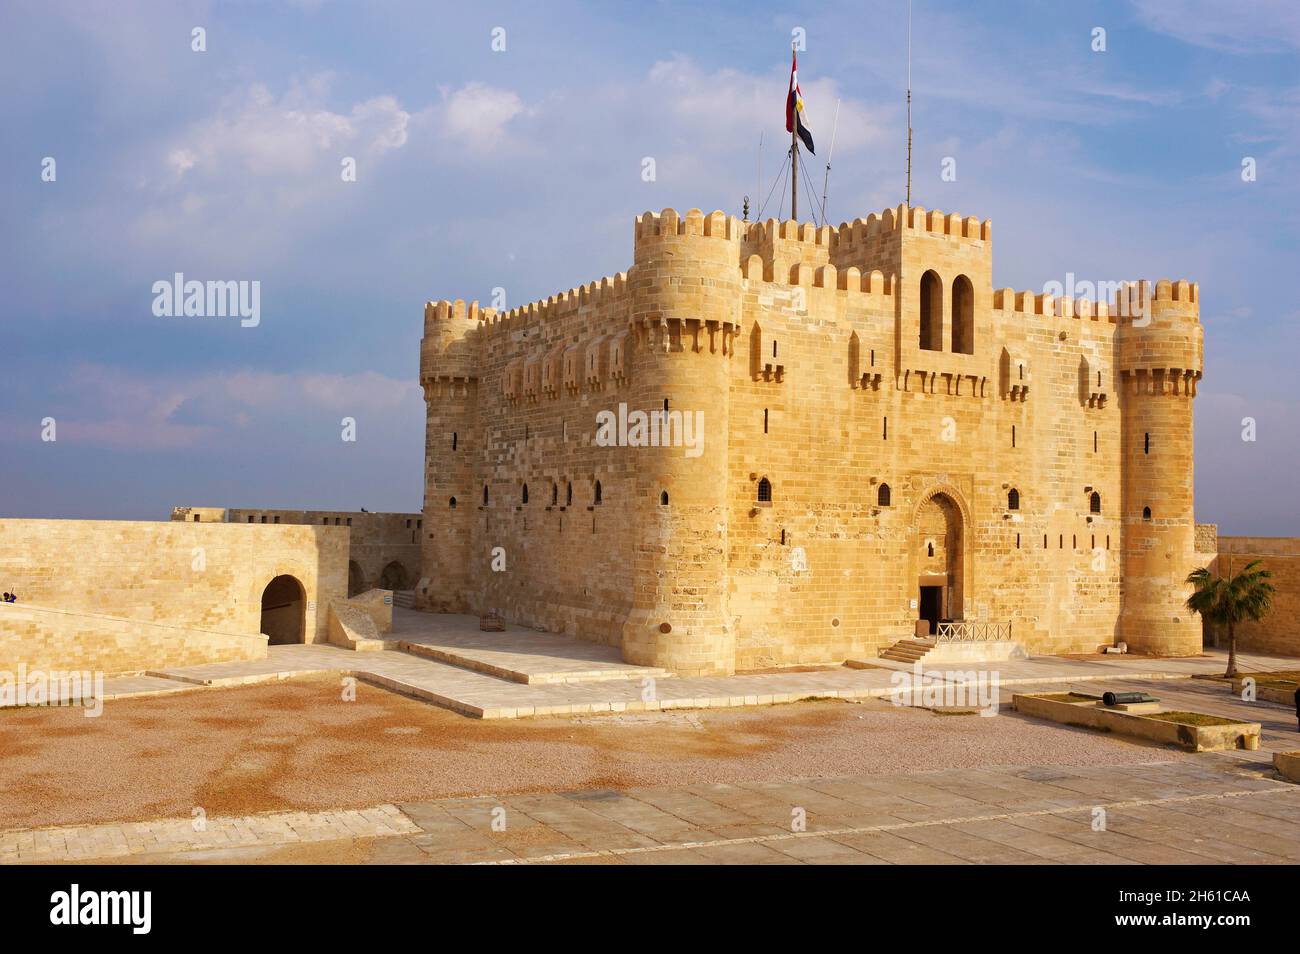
(295, 745)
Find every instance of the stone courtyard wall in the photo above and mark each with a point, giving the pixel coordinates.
(385, 547)
(192, 575)
(1279, 632)
(47, 639)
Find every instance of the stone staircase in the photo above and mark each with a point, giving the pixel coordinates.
(404, 598)
(907, 650)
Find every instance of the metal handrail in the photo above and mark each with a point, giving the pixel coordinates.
(966, 631)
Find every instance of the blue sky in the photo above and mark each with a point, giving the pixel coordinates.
(521, 169)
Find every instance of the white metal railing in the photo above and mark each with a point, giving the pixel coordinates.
(965, 631)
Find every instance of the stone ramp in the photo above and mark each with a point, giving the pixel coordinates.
(517, 654)
(479, 694)
(483, 696)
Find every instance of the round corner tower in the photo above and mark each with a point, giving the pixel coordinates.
(685, 313)
(1160, 363)
(449, 379)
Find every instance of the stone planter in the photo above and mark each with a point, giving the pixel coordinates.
(1093, 715)
(1288, 765)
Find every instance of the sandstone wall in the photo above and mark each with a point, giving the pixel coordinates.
(207, 576)
(384, 548)
(49, 639)
(1279, 632)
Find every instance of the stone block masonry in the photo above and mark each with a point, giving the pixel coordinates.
(886, 438)
(217, 578)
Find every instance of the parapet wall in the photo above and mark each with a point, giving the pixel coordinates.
(1279, 632)
(383, 548)
(203, 576)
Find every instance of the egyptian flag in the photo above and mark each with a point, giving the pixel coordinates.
(794, 114)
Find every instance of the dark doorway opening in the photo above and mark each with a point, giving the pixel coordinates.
(932, 606)
(395, 577)
(284, 611)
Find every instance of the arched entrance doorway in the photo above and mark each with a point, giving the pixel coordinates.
(284, 606)
(939, 560)
(356, 579)
(394, 577)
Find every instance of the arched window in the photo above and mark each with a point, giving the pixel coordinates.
(524, 495)
(963, 316)
(452, 503)
(663, 498)
(1013, 499)
(597, 497)
(764, 491)
(485, 495)
(931, 312)
(568, 496)
(929, 548)
(1094, 503)
(1146, 513)
(882, 495)
(555, 493)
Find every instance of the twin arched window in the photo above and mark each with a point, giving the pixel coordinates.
(961, 315)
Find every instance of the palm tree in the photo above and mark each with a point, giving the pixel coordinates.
(1227, 601)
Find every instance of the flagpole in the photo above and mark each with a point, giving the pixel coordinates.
(794, 171)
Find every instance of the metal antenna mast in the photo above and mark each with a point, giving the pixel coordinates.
(909, 102)
(826, 181)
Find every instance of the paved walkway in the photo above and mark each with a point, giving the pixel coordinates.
(102, 842)
(520, 673)
(1205, 810)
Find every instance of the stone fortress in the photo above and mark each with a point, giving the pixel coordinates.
(890, 447)
(765, 445)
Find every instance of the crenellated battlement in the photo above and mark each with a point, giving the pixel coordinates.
(851, 279)
(1131, 300)
(667, 224)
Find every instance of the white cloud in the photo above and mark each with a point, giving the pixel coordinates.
(476, 116)
(120, 409)
(727, 104)
(257, 133)
(1264, 25)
